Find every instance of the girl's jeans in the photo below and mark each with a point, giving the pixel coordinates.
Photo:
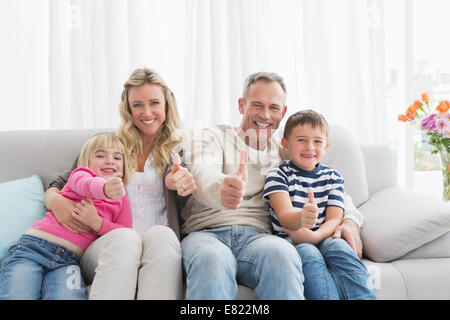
(332, 270)
(39, 269)
(216, 259)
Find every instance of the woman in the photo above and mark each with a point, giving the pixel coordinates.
(143, 262)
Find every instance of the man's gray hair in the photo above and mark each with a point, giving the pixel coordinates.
(262, 76)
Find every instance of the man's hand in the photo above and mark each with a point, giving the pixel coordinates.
(114, 188)
(233, 186)
(180, 178)
(349, 231)
(86, 213)
(309, 213)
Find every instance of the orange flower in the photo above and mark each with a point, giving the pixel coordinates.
(448, 168)
(402, 118)
(425, 97)
(443, 106)
(410, 115)
(417, 104)
(411, 109)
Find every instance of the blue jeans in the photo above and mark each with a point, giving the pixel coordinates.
(39, 269)
(333, 271)
(216, 259)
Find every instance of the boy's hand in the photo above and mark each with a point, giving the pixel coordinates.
(114, 188)
(309, 212)
(233, 186)
(86, 213)
(303, 235)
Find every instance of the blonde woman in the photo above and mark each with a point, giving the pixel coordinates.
(143, 262)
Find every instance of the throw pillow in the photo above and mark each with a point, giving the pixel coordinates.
(398, 221)
(21, 204)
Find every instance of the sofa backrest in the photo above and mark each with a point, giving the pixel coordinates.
(345, 155)
(47, 153)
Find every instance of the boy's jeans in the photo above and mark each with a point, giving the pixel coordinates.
(214, 258)
(39, 269)
(332, 270)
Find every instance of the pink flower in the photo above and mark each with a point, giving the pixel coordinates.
(429, 123)
(443, 124)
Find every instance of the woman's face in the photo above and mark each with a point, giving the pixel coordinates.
(148, 108)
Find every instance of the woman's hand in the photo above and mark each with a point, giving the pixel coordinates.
(180, 178)
(62, 209)
(86, 213)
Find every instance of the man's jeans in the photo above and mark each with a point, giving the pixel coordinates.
(39, 269)
(216, 259)
(332, 270)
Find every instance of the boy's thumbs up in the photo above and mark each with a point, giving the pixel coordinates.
(311, 197)
(176, 163)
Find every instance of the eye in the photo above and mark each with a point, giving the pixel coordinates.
(275, 108)
(137, 105)
(318, 141)
(155, 103)
(301, 140)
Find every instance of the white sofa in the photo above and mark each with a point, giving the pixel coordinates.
(405, 234)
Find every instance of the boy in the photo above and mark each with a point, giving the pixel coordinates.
(306, 206)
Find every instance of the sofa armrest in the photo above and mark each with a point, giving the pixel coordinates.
(381, 171)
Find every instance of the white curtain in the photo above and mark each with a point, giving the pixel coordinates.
(63, 62)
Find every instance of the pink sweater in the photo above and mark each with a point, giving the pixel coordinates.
(83, 183)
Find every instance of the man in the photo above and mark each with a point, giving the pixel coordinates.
(227, 224)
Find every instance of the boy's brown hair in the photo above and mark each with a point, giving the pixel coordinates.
(311, 117)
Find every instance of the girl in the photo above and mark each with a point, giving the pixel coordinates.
(48, 254)
(143, 262)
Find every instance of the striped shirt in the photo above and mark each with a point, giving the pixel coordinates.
(326, 183)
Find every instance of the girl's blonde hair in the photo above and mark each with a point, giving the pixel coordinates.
(168, 136)
(107, 141)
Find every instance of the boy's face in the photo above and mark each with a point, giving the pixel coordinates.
(106, 163)
(306, 146)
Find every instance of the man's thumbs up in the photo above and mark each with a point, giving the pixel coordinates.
(233, 186)
(243, 160)
(176, 163)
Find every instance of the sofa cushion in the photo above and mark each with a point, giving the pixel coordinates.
(398, 221)
(345, 155)
(22, 203)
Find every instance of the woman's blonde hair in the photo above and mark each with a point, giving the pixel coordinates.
(168, 136)
(107, 141)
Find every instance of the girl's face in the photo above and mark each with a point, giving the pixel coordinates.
(106, 163)
(148, 108)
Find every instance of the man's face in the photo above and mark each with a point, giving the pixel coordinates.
(264, 108)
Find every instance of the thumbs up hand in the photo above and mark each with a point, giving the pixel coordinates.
(233, 186)
(309, 212)
(114, 188)
(180, 178)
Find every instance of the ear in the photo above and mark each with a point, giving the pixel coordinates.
(327, 145)
(285, 145)
(283, 112)
(241, 105)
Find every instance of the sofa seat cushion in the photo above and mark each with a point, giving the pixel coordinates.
(398, 221)
(22, 203)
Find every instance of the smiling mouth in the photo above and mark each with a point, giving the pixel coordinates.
(308, 156)
(148, 121)
(262, 125)
(108, 170)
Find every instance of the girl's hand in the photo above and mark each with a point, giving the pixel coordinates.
(62, 209)
(114, 188)
(180, 178)
(86, 213)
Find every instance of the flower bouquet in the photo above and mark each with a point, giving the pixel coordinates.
(437, 128)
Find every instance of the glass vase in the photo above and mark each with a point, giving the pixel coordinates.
(445, 165)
